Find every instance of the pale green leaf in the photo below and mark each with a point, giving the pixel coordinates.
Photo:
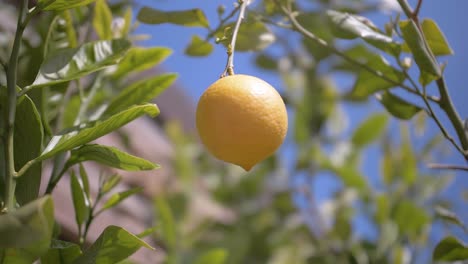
(213, 256)
(369, 130)
(102, 20)
(138, 59)
(198, 47)
(117, 198)
(450, 249)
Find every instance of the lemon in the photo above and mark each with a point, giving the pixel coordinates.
(241, 119)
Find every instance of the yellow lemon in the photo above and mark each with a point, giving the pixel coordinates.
(241, 119)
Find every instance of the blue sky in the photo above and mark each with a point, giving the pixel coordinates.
(196, 74)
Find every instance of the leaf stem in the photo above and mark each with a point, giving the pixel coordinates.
(229, 70)
(447, 166)
(10, 173)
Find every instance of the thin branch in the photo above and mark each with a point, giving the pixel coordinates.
(298, 27)
(447, 166)
(232, 46)
(418, 7)
(222, 23)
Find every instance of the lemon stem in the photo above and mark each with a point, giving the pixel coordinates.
(229, 70)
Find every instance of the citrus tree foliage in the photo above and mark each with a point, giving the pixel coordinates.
(271, 215)
(64, 84)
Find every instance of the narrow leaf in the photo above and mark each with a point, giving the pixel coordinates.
(109, 156)
(102, 20)
(435, 38)
(28, 137)
(117, 198)
(110, 183)
(113, 245)
(398, 107)
(422, 54)
(449, 216)
(77, 138)
(61, 252)
(140, 92)
(138, 59)
(188, 18)
(73, 63)
(369, 130)
(60, 5)
(80, 200)
(450, 249)
(198, 47)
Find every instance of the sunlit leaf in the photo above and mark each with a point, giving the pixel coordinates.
(411, 218)
(59, 5)
(110, 183)
(73, 63)
(139, 59)
(421, 53)
(435, 38)
(140, 92)
(117, 198)
(96, 130)
(165, 220)
(213, 256)
(352, 26)
(266, 62)
(398, 107)
(198, 47)
(450, 249)
(449, 216)
(113, 245)
(252, 36)
(369, 130)
(188, 18)
(109, 156)
(102, 20)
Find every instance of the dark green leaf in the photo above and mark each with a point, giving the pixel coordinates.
(109, 156)
(29, 227)
(102, 20)
(266, 62)
(368, 83)
(147, 232)
(80, 200)
(128, 21)
(59, 5)
(117, 198)
(113, 245)
(352, 26)
(369, 130)
(198, 47)
(61, 252)
(138, 59)
(398, 107)
(450, 249)
(351, 177)
(188, 18)
(422, 54)
(140, 92)
(110, 183)
(435, 38)
(73, 63)
(28, 145)
(74, 139)
(213, 256)
(61, 34)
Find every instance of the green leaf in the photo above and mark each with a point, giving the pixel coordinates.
(369, 130)
(113, 245)
(28, 135)
(165, 220)
(213, 256)
(435, 38)
(81, 203)
(411, 218)
(351, 177)
(110, 183)
(117, 198)
(72, 63)
(109, 156)
(61, 34)
(28, 228)
(188, 18)
(266, 62)
(61, 252)
(449, 216)
(140, 92)
(349, 26)
(102, 20)
(85, 180)
(450, 249)
(198, 47)
(138, 59)
(422, 54)
(252, 36)
(77, 138)
(60, 5)
(147, 232)
(367, 83)
(398, 107)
